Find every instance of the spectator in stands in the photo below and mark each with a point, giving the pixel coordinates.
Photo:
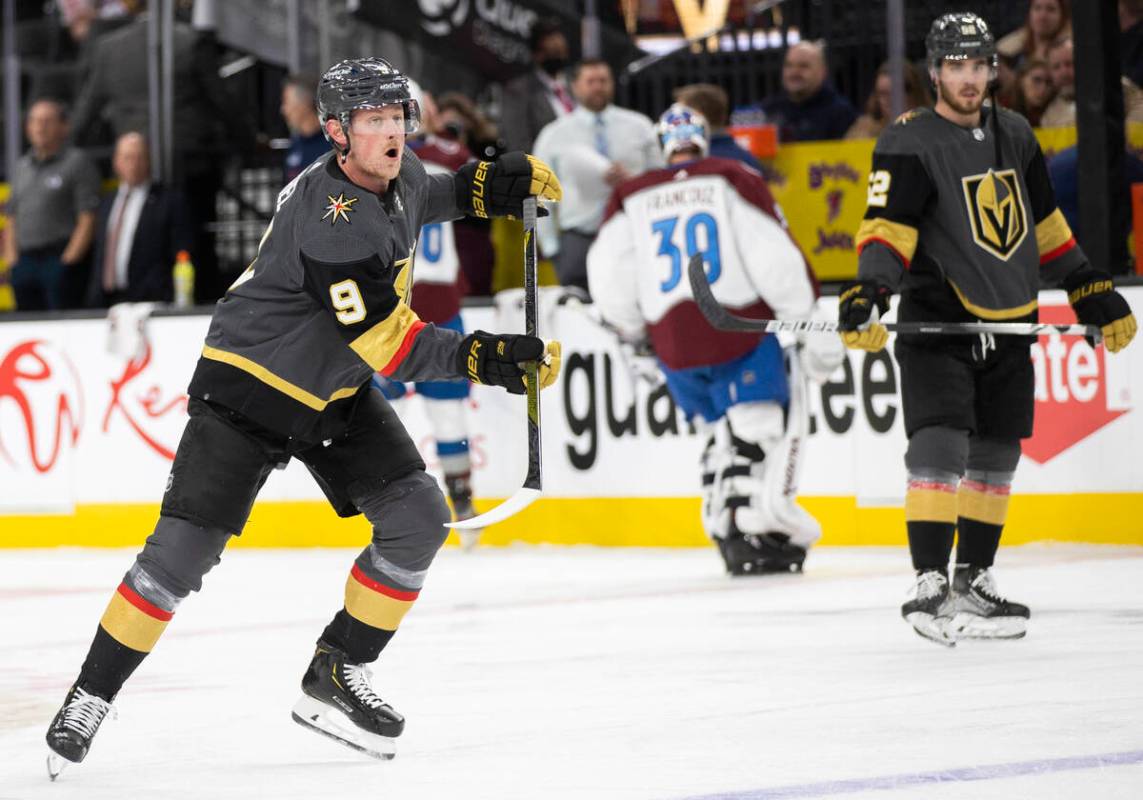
(533, 100)
(808, 108)
(593, 149)
(878, 108)
(141, 229)
(459, 119)
(1034, 90)
(1047, 22)
(1131, 39)
(711, 101)
(299, 110)
(55, 191)
(1061, 112)
(1064, 171)
(209, 124)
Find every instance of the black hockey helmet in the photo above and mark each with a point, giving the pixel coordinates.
(960, 36)
(364, 83)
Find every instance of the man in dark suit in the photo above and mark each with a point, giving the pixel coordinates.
(140, 230)
(532, 101)
(116, 91)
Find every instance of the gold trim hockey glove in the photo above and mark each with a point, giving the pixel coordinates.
(1093, 296)
(860, 329)
(498, 188)
(495, 359)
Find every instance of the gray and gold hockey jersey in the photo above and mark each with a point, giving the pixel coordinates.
(961, 236)
(326, 303)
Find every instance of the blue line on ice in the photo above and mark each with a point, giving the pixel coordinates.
(889, 782)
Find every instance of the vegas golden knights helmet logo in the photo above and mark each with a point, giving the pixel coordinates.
(996, 211)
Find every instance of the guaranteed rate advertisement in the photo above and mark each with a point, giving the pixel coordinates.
(85, 428)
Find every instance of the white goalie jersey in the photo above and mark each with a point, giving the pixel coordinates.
(721, 210)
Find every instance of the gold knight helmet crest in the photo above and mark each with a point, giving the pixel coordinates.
(996, 211)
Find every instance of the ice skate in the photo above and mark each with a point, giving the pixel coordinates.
(75, 724)
(340, 703)
(460, 495)
(757, 554)
(927, 611)
(978, 612)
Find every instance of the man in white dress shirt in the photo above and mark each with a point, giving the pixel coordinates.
(594, 148)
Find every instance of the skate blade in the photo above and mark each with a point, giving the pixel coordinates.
(935, 629)
(331, 723)
(56, 765)
(973, 626)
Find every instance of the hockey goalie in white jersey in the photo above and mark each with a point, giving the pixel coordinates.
(747, 390)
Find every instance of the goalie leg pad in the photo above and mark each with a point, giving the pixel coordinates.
(772, 440)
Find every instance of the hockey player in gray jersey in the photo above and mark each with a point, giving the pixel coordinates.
(286, 373)
(963, 223)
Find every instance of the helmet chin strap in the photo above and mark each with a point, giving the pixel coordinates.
(343, 121)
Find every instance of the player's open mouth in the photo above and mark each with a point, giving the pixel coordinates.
(391, 152)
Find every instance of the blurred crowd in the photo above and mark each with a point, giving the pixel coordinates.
(79, 238)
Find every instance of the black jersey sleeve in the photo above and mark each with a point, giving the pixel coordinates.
(1059, 253)
(900, 189)
(436, 192)
(440, 199)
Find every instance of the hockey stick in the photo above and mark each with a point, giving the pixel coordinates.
(722, 319)
(533, 481)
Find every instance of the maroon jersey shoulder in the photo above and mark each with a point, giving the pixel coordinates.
(452, 155)
(749, 184)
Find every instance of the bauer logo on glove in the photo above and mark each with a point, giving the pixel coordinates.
(1093, 296)
(499, 359)
(498, 188)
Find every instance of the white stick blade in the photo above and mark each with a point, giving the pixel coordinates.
(522, 498)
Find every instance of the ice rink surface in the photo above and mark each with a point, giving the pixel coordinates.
(597, 673)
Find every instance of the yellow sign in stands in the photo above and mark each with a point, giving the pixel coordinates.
(821, 187)
(7, 299)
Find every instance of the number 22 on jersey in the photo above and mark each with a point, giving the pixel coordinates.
(699, 235)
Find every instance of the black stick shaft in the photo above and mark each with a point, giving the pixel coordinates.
(534, 479)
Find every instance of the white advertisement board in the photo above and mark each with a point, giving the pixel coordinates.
(82, 425)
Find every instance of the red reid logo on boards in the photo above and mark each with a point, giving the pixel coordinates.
(1073, 398)
(41, 398)
(142, 405)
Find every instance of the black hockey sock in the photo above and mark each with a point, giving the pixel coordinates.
(128, 630)
(930, 544)
(361, 643)
(977, 542)
(108, 665)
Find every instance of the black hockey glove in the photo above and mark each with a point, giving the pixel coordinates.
(495, 359)
(860, 329)
(1093, 296)
(498, 188)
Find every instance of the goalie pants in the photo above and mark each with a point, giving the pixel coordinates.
(223, 460)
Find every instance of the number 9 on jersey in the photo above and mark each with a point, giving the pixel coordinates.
(346, 299)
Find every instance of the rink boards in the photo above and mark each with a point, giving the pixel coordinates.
(87, 436)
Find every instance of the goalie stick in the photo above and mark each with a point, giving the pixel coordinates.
(722, 319)
(533, 481)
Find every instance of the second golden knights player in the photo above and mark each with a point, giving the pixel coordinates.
(286, 373)
(962, 221)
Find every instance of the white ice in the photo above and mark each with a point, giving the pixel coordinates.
(539, 672)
